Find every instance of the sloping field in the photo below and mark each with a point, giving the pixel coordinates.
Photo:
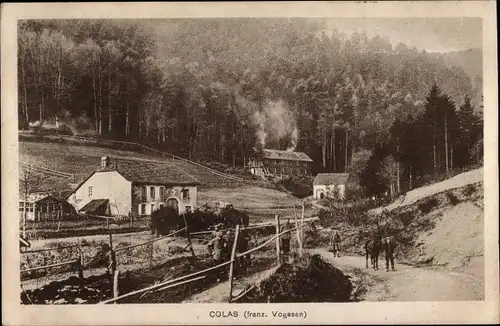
(83, 160)
(415, 195)
(250, 197)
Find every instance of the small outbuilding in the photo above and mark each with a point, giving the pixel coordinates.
(43, 206)
(330, 185)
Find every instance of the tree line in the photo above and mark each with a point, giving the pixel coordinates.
(192, 87)
(420, 148)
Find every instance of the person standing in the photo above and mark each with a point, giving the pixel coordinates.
(389, 244)
(243, 246)
(215, 248)
(336, 244)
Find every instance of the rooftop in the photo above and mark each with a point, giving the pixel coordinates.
(331, 178)
(275, 154)
(149, 171)
(35, 197)
(93, 205)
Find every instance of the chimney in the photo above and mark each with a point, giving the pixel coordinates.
(104, 162)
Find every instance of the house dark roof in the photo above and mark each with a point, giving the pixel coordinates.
(151, 172)
(275, 154)
(145, 171)
(94, 205)
(331, 179)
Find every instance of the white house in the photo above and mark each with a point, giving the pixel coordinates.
(330, 185)
(132, 186)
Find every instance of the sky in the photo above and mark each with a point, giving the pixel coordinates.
(431, 34)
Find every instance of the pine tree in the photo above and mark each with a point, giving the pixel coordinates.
(470, 132)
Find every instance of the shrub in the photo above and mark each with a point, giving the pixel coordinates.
(428, 205)
(406, 218)
(163, 220)
(452, 198)
(469, 190)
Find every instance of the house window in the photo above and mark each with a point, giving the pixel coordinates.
(143, 209)
(31, 207)
(144, 193)
(185, 194)
(152, 208)
(162, 192)
(161, 205)
(90, 191)
(152, 192)
(21, 207)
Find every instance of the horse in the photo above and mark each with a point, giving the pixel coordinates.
(372, 250)
(388, 245)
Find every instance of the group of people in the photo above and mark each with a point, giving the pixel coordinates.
(221, 244)
(380, 240)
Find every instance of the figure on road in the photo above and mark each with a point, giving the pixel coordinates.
(389, 244)
(215, 248)
(335, 244)
(243, 246)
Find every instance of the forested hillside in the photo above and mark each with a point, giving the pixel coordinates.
(216, 89)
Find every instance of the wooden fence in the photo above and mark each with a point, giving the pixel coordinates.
(79, 264)
(76, 264)
(298, 228)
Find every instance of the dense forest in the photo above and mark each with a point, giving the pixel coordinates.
(216, 89)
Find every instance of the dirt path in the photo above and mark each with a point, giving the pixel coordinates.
(407, 283)
(220, 292)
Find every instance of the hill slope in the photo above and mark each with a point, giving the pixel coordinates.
(460, 180)
(443, 224)
(83, 160)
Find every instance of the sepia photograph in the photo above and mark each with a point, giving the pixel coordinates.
(250, 160)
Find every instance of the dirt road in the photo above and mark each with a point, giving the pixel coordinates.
(407, 283)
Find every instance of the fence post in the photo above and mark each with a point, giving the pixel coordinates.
(151, 254)
(188, 236)
(112, 255)
(80, 265)
(278, 239)
(115, 285)
(302, 230)
(231, 266)
(297, 232)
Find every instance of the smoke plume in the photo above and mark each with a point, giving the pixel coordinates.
(293, 139)
(55, 125)
(275, 122)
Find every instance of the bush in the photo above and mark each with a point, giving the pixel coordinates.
(428, 205)
(452, 198)
(298, 188)
(469, 190)
(406, 218)
(166, 219)
(163, 220)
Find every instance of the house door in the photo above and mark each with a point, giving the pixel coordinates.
(172, 202)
